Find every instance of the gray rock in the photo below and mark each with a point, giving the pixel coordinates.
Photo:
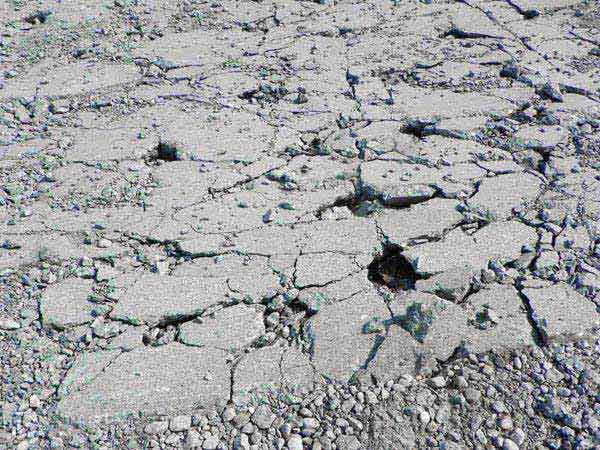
(156, 427)
(9, 325)
(180, 423)
(272, 370)
(263, 417)
(559, 312)
(137, 380)
(295, 442)
(210, 443)
(223, 330)
(339, 345)
(241, 442)
(66, 304)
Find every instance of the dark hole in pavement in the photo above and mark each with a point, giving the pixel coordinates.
(391, 269)
(167, 151)
(38, 17)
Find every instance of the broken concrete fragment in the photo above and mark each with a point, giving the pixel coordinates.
(397, 184)
(500, 194)
(550, 91)
(561, 313)
(456, 249)
(446, 331)
(317, 297)
(130, 338)
(423, 330)
(355, 236)
(229, 329)
(245, 276)
(504, 241)
(323, 268)
(108, 145)
(452, 284)
(500, 167)
(206, 245)
(338, 345)
(66, 304)
(423, 221)
(226, 136)
(498, 320)
(398, 354)
(137, 381)
(155, 299)
(303, 186)
(544, 139)
(274, 370)
(547, 262)
(85, 369)
(70, 79)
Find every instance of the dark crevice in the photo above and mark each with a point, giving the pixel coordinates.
(351, 202)
(539, 337)
(232, 380)
(458, 33)
(459, 353)
(473, 289)
(362, 204)
(527, 14)
(391, 269)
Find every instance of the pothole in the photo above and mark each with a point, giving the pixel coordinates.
(167, 151)
(391, 269)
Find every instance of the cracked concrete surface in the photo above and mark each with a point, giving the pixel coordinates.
(272, 196)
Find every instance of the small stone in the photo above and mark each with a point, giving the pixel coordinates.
(180, 423)
(295, 442)
(461, 382)
(518, 436)
(59, 106)
(228, 414)
(263, 417)
(472, 395)
(550, 91)
(34, 402)
(437, 382)
(104, 243)
(9, 325)
(305, 412)
(498, 407)
(517, 363)
(156, 427)
(161, 267)
(248, 429)
(554, 376)
(5, 438)
(506, 423)
(348, 443)
(309, 422)
(173, 439)
(193, 439)
(509, 445)
(241, 442)
(210, 443)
